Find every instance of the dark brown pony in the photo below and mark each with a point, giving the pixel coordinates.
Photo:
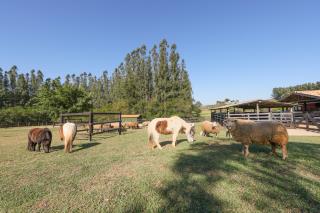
(39, 136)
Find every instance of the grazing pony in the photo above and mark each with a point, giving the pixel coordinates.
(166, 126)
(68, 132)
(39, 136)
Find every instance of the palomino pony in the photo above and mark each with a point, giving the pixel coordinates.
(68, 132)
(166, 126)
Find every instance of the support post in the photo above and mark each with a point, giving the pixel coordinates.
(307, 120)
(90, 125)
(120, 123)
(258, 111)
(61, 119)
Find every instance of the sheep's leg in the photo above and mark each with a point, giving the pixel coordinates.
(274, 146)
(156, 140)
(227, 134)
(245, 150)
(284, 152)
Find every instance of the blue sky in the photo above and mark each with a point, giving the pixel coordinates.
(235, 49)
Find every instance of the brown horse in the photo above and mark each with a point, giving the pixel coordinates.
(39, 136)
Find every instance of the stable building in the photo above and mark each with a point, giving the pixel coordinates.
(305, 101)
(257, 110)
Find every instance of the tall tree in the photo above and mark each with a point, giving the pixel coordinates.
(22, 90)
(186, 90)
(2, 92)
(33, 83)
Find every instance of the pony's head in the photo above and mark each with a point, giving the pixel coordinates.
(190, 132)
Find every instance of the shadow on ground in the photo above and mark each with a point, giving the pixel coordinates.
(267, 183)
(76, 147)
(100, 136)
(166, 143)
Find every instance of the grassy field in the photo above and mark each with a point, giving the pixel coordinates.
(119, 174)
(206, 114)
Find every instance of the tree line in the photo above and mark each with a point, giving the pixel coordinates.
(280, 92)
(152, 83)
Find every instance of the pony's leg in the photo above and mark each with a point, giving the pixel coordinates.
(66, 147)
(39, 144)
(33, 147)
(156, 137)
(70, 146)
(29, 145)
(174, 139)
(152, 144)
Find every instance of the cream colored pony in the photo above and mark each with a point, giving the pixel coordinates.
(68, 133)
(166, 126)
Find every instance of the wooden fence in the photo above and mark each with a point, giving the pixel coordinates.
(283, 117)
(90, 121)
(308, 120)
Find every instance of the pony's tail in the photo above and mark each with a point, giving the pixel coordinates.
(74, 134)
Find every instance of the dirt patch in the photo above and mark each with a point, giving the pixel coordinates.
(302, 132)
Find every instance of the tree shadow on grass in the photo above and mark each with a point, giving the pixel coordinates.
(165, 143)
(267, 183)
(101, 136)
(76, 147)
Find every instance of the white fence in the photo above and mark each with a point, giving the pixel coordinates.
(283, 117)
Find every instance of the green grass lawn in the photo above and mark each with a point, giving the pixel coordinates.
(206, 114)
(120, 174)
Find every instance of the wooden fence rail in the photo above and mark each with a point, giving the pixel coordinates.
(91, 116)
(292, 119)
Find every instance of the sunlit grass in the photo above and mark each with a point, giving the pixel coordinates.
(120, 174)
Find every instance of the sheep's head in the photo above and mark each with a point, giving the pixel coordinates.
(230, 124)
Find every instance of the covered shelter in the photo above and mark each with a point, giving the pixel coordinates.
(306, 109)
(254, 110)
(306, 101)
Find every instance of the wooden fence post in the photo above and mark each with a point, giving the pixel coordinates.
(61, 119)
(120, 123)
(307, 120)
(90, 125)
